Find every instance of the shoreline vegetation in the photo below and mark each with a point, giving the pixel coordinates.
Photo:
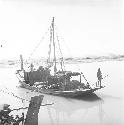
(69, 60)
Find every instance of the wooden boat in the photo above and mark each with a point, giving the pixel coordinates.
(71, 93)
(60, 83)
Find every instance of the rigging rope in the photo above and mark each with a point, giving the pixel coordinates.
(60, 51)
(49, 52)
(38, 44)
(65, 43)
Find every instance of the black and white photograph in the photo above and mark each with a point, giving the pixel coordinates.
(61, 62)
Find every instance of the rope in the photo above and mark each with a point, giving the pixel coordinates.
(60, 50)
(60, 36)
(84, 77)
(65, 43)
(49, 52)
(38, 45)
(10, 93)
(28, 107)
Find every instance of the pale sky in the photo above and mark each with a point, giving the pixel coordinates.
(87, 27)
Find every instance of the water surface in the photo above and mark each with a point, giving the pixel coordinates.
(104, 109)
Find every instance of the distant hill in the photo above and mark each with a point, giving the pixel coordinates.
(88, 59)
(95, 59)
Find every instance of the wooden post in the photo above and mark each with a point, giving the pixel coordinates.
(33, 110)
(21, 62)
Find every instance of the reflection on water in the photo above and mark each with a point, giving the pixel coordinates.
(105, 107)
(70, 111)
(65, 110)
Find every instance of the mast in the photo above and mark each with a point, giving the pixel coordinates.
(55, 69)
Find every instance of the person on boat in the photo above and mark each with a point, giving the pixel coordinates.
(88, 85)
(19, 119)
(99, 76)
(31, 67)
(4, 114)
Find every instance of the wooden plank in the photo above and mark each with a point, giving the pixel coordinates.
(33, 110)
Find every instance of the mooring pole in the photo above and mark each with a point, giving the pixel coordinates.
(21, 62)
(33, 110)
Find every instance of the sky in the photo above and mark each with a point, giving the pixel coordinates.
(84, 27)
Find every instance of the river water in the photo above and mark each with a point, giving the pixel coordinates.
(104, 109)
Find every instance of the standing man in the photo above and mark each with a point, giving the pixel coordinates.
(99, 76)
(31, 67)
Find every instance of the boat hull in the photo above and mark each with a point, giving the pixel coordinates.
(74, 93)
